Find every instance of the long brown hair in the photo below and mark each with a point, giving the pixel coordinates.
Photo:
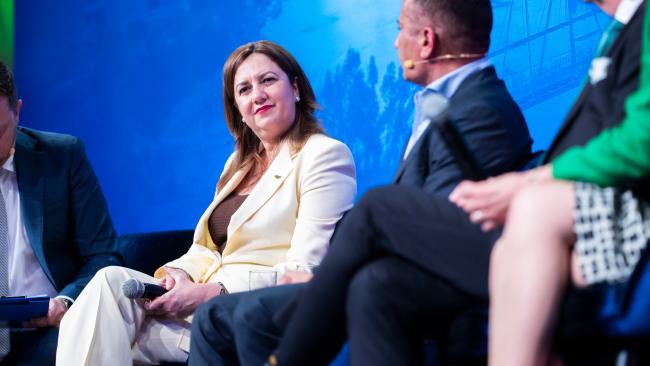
(247, 144)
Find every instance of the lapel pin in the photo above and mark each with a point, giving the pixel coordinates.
(277, 176)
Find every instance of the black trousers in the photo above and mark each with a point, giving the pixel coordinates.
(400, 255)
(239, 328)
(36, 347)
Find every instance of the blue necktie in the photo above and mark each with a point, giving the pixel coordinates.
(600, 64)
(4, 271)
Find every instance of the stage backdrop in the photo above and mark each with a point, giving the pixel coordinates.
(139, 81)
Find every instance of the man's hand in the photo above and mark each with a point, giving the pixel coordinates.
(55, 313)
(290, 277)
(487, 202)
(184, 296)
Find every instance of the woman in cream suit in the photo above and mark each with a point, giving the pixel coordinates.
(278, 199)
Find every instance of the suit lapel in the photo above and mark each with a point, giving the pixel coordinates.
(31, 185)
(202, 232)
(571, 116)
(230, 186)
(415, 150)
(270, 182)
(588, 88)
(402, 164)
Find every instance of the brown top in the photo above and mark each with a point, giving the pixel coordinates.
(220, 218)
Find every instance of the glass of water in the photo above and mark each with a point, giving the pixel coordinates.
(261, 278)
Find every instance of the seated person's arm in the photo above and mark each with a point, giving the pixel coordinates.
(327, 190)
(94, 236)
(618, 154)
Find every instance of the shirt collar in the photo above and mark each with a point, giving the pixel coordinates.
(449, 83)
(626, 10)
(9, 164)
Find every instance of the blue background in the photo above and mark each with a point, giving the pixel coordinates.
(140, 82)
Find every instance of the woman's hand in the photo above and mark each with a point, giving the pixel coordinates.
(183, 296)
(168, 281)
(487, 202)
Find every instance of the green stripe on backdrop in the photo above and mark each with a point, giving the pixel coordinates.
(7, 32)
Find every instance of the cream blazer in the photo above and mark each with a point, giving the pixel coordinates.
(285, 222)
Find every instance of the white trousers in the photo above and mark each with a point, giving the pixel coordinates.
(105, 328)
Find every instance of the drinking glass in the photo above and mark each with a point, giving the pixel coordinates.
(260, 278)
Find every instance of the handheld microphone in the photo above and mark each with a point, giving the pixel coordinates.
(136, 289)
(435, 108)
(410, 64)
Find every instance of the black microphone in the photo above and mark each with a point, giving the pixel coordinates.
(136, 289)
(435, 107)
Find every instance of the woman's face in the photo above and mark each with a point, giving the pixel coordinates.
(265, 97)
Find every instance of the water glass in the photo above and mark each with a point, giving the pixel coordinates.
(261, 278)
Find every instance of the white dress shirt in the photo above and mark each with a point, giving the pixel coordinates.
(446, 85)
(26, 276)
(626, 10)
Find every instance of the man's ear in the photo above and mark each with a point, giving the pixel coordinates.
(19, 105)
(428, 43)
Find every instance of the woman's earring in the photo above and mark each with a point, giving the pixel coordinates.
(297, 98)
(243, 121)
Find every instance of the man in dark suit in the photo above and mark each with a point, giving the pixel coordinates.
(613, 75)
(402, 263)
(55, 229)
(240, 329)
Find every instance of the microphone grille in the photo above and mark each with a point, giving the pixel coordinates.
(132, 288)
(408, 64)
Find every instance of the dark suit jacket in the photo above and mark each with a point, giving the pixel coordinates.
(601, 106)
(65, 213)
(492, 125)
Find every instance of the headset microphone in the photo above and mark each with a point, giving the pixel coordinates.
(410, 64)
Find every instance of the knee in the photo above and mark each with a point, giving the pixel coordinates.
(544, 210)
(384, 200)
(367, 200)
(110, 274)
(542, 203)
(373, 194)
(529, 202)
(370, 291)
(377, 196)
(111, 278)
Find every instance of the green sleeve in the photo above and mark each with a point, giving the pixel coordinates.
(622, 152)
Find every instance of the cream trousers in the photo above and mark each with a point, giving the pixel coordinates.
(105, 328)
